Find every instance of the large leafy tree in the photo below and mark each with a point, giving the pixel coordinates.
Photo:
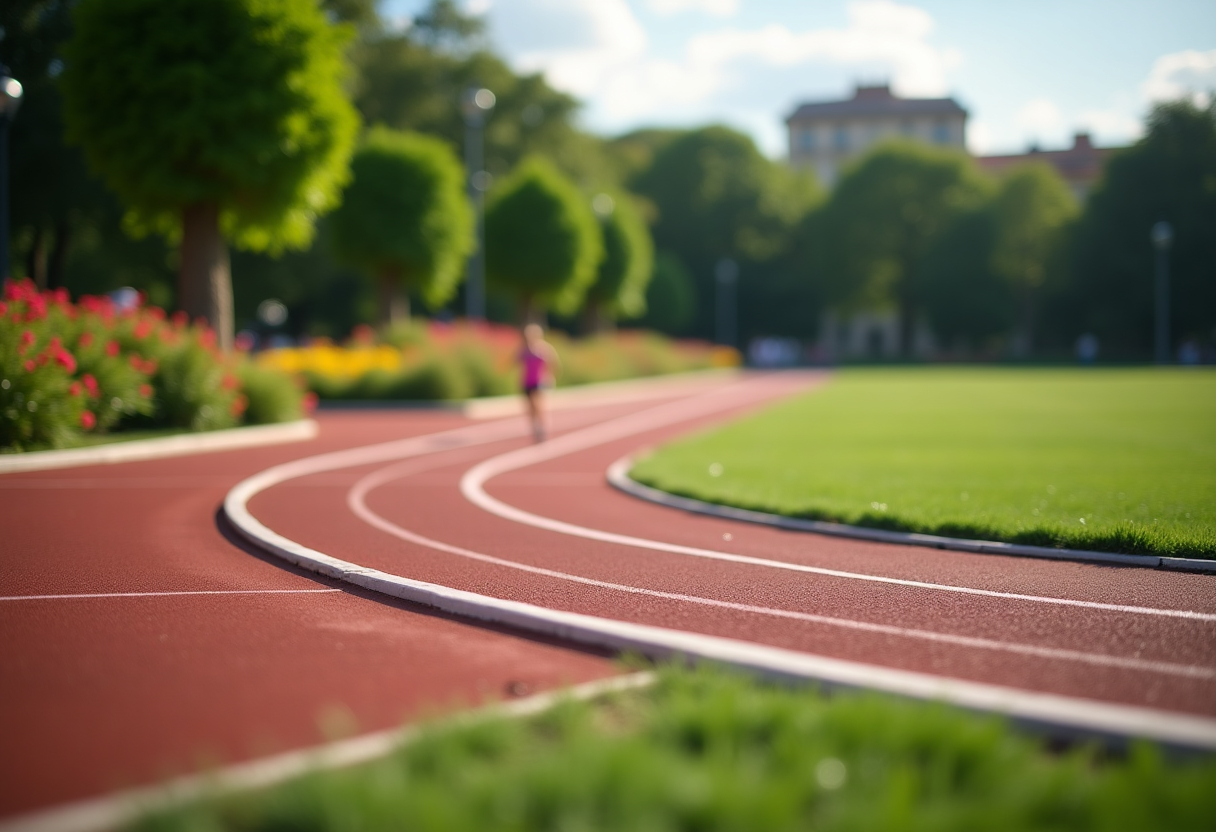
(1032, 213)
(717, 197)
(619, 290)
(884, 217)
(1169, 175)
(213, 119)
(405, 219)
(543, 243)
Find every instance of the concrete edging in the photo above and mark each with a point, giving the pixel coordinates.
(123, 808)
(164, 446)
(618, 477)
(1061, 715)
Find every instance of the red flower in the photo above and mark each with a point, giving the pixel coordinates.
(60, 296)
(3, 308)
(145, 390)
(75, 389)
(65, 358)
(230, 382)
(27, 338)
(112, 349)
(87, 420)
(30, 366)
(239, 404)
(180, 319)
(155, 312)
(85, 339)
(207, 339)
(90, 384)
(310, 402)
(143, 329)
(37, 308)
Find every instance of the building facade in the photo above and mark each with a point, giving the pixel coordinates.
(1080, 165)
(825, 136)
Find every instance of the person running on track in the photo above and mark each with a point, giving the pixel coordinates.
(538, 359)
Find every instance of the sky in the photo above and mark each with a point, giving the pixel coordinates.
(1028, 72)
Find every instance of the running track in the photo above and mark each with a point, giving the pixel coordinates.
(102, 692)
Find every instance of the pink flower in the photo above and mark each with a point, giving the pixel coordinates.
(27, 338)
(3, 308)
(30, 366)
(75, 389)
(87, 420)
(86, 338)
(60, 296)
(65, 358)
(112, 349)
(90, 384)
(310, 402)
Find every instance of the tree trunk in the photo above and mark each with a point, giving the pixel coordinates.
(35, 266)
(394, 302)
(59, 254)
(907, 327)
(1023, 341)
(204, 283)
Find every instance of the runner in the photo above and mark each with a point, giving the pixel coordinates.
(538, 359)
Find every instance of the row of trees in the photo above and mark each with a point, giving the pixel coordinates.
(1009, 267)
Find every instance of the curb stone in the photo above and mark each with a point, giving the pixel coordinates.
(618, 477)
(163, 446)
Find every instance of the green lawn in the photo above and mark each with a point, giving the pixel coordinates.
(707, 750)
(1113, 460)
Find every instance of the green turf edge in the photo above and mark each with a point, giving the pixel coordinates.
(711, 749)
(1124, 539)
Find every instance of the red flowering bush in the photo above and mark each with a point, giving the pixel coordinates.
(68, 369)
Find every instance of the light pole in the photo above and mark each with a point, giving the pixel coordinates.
(1162, 236)
(10, 100)
(727, 273)
(476, 105)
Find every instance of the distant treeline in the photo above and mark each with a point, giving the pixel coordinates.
(994, 268)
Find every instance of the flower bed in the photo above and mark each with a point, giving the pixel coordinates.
(433, 360)
(68, 370)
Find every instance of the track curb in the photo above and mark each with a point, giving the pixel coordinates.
(121, 809)
(1060, 715)
(161, 447)
(618, 477)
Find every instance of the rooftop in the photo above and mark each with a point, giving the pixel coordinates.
(877, 101)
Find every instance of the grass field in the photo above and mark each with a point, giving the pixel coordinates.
(706, 750)
(1112, 460)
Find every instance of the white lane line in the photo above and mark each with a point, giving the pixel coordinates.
(356, 500)
(1070, 712)
(472, 485)
(165, 594)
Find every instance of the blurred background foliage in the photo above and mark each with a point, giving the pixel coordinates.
(1008, 268)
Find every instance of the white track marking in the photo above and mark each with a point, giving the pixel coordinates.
(1069, 712)
(472, 485)
(165, 594)
(356, 500)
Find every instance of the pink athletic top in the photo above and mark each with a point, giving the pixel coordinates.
(534, 368)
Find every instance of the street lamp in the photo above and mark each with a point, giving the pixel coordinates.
(476, 105)
(726, 272)
(10, 100)
(1162, 236)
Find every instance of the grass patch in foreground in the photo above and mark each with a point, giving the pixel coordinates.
(1111, 460)
(709, 750)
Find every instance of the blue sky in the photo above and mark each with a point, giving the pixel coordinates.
(1030, 71)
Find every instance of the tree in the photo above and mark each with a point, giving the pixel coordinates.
(620, 284)
(884, 216)
(717, 197)
(405, 219)
(671, 299)
(212, 119)
(1032, 212)
(1168, 175)
(543, 243)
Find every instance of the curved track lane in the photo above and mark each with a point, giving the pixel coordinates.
(538, 534)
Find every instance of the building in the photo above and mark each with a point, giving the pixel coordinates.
(1080, 165)
(826, 135)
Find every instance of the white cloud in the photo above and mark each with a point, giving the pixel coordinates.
(980, 138)
(1190, 74)
(1118, 125)
(1040, 116)
(714, 8)
(597, 50)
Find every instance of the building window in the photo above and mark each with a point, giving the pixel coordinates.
(806, 139)
(842, 138)
(941, 132)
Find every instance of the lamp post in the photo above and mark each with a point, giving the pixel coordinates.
(1162, 236)
(10, 100)
(727, 273)
(476, 105)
